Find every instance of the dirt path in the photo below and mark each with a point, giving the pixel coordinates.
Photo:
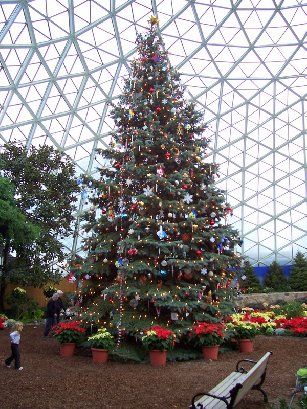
(49, 381)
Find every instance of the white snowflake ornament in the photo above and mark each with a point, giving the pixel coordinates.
(129, 182)
(148, 191)
(188, 198)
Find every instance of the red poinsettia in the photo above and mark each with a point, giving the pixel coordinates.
(159, 338)
(2, 322)
(69, 331)
(297, 326)
(256, 319)
(208, 334)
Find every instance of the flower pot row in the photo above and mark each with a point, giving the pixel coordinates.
(99, 355)
(157, 358)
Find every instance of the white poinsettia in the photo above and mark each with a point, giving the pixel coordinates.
(188, 198)
(148, 191)
(129, 182)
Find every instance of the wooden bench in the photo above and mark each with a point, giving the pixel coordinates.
(232, 390)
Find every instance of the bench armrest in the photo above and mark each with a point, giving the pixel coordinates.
(241, 369)
(200, 406)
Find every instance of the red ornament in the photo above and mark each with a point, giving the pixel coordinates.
(198, 252)
(132, 252)
(158, 109)
(117, 165)
(185, 187)
(186, 237)
(167, 155)
(143, 59)
(151, 90)
(212, 222)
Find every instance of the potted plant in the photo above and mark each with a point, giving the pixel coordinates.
(209, 336)
(67, 334)
(158, 340)
(244, 332)
(101, 343)
(3, 319)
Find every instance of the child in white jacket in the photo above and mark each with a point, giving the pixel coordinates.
(15, 340)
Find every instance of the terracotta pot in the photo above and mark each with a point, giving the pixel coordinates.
(100, 356)
(246, 345)
(67, 349)
(157, 358)
(210, 352)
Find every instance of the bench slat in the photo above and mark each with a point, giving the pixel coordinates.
(221, 389)
(248, 380)
(253, 377)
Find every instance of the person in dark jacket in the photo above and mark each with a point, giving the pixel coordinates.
(51, 313)
(60, 306)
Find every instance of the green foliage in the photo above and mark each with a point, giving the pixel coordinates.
(15, 228)
(49, 291)
(44, 193)
(292, 309)
(250, 284)
(18, 301)
(298, 275)
(275, 279)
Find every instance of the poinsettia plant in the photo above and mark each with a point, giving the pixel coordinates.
(3, 319)
(158, 338)
(208, 333)
(103, 339)
(66, 332)
(244, 330)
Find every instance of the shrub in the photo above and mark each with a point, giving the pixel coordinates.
(293, 309)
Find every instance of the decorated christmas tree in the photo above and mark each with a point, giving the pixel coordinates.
(160, 249)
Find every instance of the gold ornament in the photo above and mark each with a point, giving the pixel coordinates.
(180, 130)
(154, 20)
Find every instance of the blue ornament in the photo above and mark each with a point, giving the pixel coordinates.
(161, 234)
(120, 262)
(84, 194)
(163, 273)
(79, 181)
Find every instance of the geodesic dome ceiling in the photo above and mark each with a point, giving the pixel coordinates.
(244, 62)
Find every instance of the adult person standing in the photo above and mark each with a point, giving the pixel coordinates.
(60, 306)
(51, 313)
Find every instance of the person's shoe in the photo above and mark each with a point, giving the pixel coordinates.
(20, 368)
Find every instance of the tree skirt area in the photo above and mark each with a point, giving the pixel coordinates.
(50, 381)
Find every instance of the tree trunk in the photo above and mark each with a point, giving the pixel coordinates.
(4, 273)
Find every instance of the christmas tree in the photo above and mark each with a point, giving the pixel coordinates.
(161, 251)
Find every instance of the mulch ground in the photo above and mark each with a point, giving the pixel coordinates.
(50, 381)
